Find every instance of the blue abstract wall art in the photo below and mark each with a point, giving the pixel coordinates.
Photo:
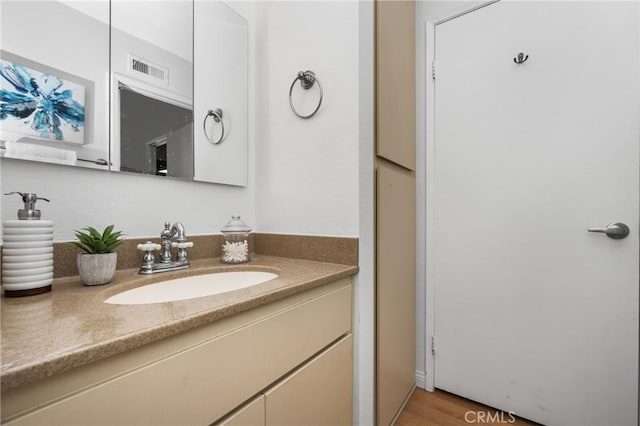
(41, 105)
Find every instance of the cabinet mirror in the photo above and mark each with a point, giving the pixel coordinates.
(150, 87)
(179, 84)
(54, 81)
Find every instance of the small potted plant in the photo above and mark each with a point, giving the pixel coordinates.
(97, 262)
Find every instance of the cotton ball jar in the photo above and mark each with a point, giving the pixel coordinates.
(235, 245)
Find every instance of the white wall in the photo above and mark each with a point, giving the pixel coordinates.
(364, 321)
(315, 176)
(180, 70)
(437, 10)
(148, 21)
(307, 172)
(137, 204)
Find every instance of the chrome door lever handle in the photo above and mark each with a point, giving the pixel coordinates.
(616, 230)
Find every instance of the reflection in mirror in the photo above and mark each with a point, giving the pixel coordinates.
(155, 136)
(152, 86)
(63, 47)
(220, 76)
(54, 81)
(154, 46)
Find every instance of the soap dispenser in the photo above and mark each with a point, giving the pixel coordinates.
(27, 252)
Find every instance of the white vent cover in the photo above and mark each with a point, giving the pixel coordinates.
(150, 71)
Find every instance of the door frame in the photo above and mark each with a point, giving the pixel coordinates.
(429, 162)
(428, 91)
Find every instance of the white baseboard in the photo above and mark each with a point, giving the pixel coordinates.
(421, 379)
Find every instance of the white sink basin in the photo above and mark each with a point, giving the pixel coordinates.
(190, 287)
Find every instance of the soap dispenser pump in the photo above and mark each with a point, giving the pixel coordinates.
(27, 251)
(29, 212)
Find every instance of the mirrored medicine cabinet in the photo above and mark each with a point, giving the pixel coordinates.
(167, 80)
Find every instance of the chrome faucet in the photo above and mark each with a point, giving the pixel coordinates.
(172, 237)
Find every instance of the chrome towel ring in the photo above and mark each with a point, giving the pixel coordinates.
(307, 80)
(217, 117)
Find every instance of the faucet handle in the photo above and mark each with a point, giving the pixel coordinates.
(149, 246)
(182, 253)
(184, 245)
(147, 261)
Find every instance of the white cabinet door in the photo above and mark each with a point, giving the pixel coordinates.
(533, 313)
(220, 81)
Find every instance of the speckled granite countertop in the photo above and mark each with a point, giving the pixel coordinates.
(71, 326)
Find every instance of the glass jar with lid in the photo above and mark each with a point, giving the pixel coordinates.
(235, 245)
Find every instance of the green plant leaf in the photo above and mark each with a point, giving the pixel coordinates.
(93, 242)
(82, 247)
(107, 232)
(94, 233)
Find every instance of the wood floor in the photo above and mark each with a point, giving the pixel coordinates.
(441, 408)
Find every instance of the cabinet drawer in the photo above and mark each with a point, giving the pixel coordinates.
(251, 414)
(200, 384)
(318, 393)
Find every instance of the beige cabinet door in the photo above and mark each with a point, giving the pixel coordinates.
(395, 82)
(395, 289)
(252, 414)
(319, 393)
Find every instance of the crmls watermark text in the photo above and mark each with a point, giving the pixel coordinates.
(490, 417)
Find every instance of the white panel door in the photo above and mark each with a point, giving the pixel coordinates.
(533, 314)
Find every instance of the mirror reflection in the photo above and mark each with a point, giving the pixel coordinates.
(54, 63)
(137, 86)
(152, 71)
(220, 75)
(155, 136)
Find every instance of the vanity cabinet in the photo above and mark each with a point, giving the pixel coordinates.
(250, 414)
(296, 351)
(319, 392)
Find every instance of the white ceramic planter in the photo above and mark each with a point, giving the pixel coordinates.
(96, 269)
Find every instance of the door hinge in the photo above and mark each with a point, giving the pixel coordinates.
(433, 345)
(433, 70)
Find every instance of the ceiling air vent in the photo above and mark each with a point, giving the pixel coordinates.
(152, 72)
